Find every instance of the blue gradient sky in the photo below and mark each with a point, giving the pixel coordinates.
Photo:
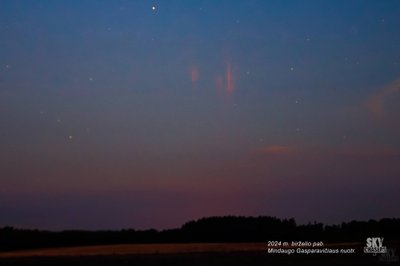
(115, 114)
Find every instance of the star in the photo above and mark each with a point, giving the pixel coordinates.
(70, 137)
(292, 68)
(90, 79)
(153, 8)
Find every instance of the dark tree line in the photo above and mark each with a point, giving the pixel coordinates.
(212, 229)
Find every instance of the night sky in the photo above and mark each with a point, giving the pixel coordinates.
(146, 114)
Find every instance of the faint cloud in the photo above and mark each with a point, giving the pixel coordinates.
(194, 74)
(376, 103)
(225, 83)
(229, 79)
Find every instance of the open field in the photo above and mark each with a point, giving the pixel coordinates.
(182, 254)
(137, 249)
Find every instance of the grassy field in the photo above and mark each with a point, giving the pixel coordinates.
(137, 249)
(180, 254)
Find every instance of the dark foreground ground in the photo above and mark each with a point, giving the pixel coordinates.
(188, 254)
(232, 259)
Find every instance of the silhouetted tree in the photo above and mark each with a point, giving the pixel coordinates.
(212, 229)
